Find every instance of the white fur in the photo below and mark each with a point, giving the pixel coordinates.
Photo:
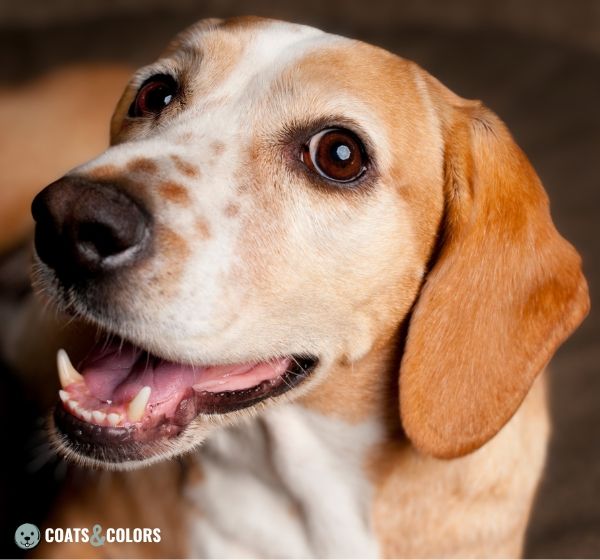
(288, 484)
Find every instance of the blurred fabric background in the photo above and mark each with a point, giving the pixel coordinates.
(535, 62)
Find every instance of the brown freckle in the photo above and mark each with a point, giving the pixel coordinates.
(174, 245)
(203, 228)
(142, 165)
(174, 192)
(217, 147)
(185, 167)
(104, 172)
(232, 210)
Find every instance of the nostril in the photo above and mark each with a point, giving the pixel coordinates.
(107, 233)
(97, 241)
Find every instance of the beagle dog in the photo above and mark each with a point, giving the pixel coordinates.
(329, 281)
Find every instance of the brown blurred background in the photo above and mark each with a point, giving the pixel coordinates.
(535, 62)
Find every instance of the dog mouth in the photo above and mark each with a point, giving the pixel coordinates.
(123, 403)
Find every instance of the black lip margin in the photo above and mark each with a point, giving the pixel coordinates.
(107, 444)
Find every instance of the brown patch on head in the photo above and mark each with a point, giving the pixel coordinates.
(174, 192)
(185, 167)
(385, 95)
(202, 228)
(142, 165)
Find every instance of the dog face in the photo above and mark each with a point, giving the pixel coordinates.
(268, 209)
(27, 536)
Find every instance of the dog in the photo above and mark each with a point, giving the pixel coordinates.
(328, 280)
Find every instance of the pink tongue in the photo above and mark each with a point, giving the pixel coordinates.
(117, 375)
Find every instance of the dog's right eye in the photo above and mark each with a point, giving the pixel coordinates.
(336, 154)
(153, 96)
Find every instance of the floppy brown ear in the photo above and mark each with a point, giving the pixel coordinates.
(504, 291)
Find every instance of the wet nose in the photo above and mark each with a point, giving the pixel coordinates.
(85, 228)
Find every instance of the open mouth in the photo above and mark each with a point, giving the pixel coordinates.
(124, 404)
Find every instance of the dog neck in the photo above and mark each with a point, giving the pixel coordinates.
(288, 483)
(294, 481)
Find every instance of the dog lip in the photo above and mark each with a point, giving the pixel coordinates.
(136, 442)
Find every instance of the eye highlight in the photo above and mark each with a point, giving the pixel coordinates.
(154, 95)
(336, 154)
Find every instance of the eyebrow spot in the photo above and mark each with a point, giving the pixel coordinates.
(203, 228)
(142, 165)
(185, 167)
(174, 192)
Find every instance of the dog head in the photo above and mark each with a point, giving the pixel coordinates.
(278, 202)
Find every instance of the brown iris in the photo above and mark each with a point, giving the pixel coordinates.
(336, 154)
(153, 96)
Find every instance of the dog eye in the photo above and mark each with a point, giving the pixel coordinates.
(336, 154)
(153, 96)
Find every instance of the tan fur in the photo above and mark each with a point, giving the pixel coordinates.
(504, 291)
(173, 192)
(433, 295)
(150, 498)
(465, 508)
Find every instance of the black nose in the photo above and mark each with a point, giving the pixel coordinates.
(85, 228)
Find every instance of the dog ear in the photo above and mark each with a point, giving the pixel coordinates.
(503, 292)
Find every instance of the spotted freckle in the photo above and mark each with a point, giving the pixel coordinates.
(203, 228)
(142, 165)
(185, 167)
(174, 192)
(232, 210)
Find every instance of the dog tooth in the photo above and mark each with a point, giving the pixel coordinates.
(72, 404)
(67, 374)
(114, 418)
(98, 416)
(137, 406)
(64, 396)
(87, 415)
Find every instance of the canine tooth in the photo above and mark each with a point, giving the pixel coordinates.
(87, 415)
(72, 404)
(67, 374)
(64, 396)
(113, 418)
(137, 406)
(98, 416)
